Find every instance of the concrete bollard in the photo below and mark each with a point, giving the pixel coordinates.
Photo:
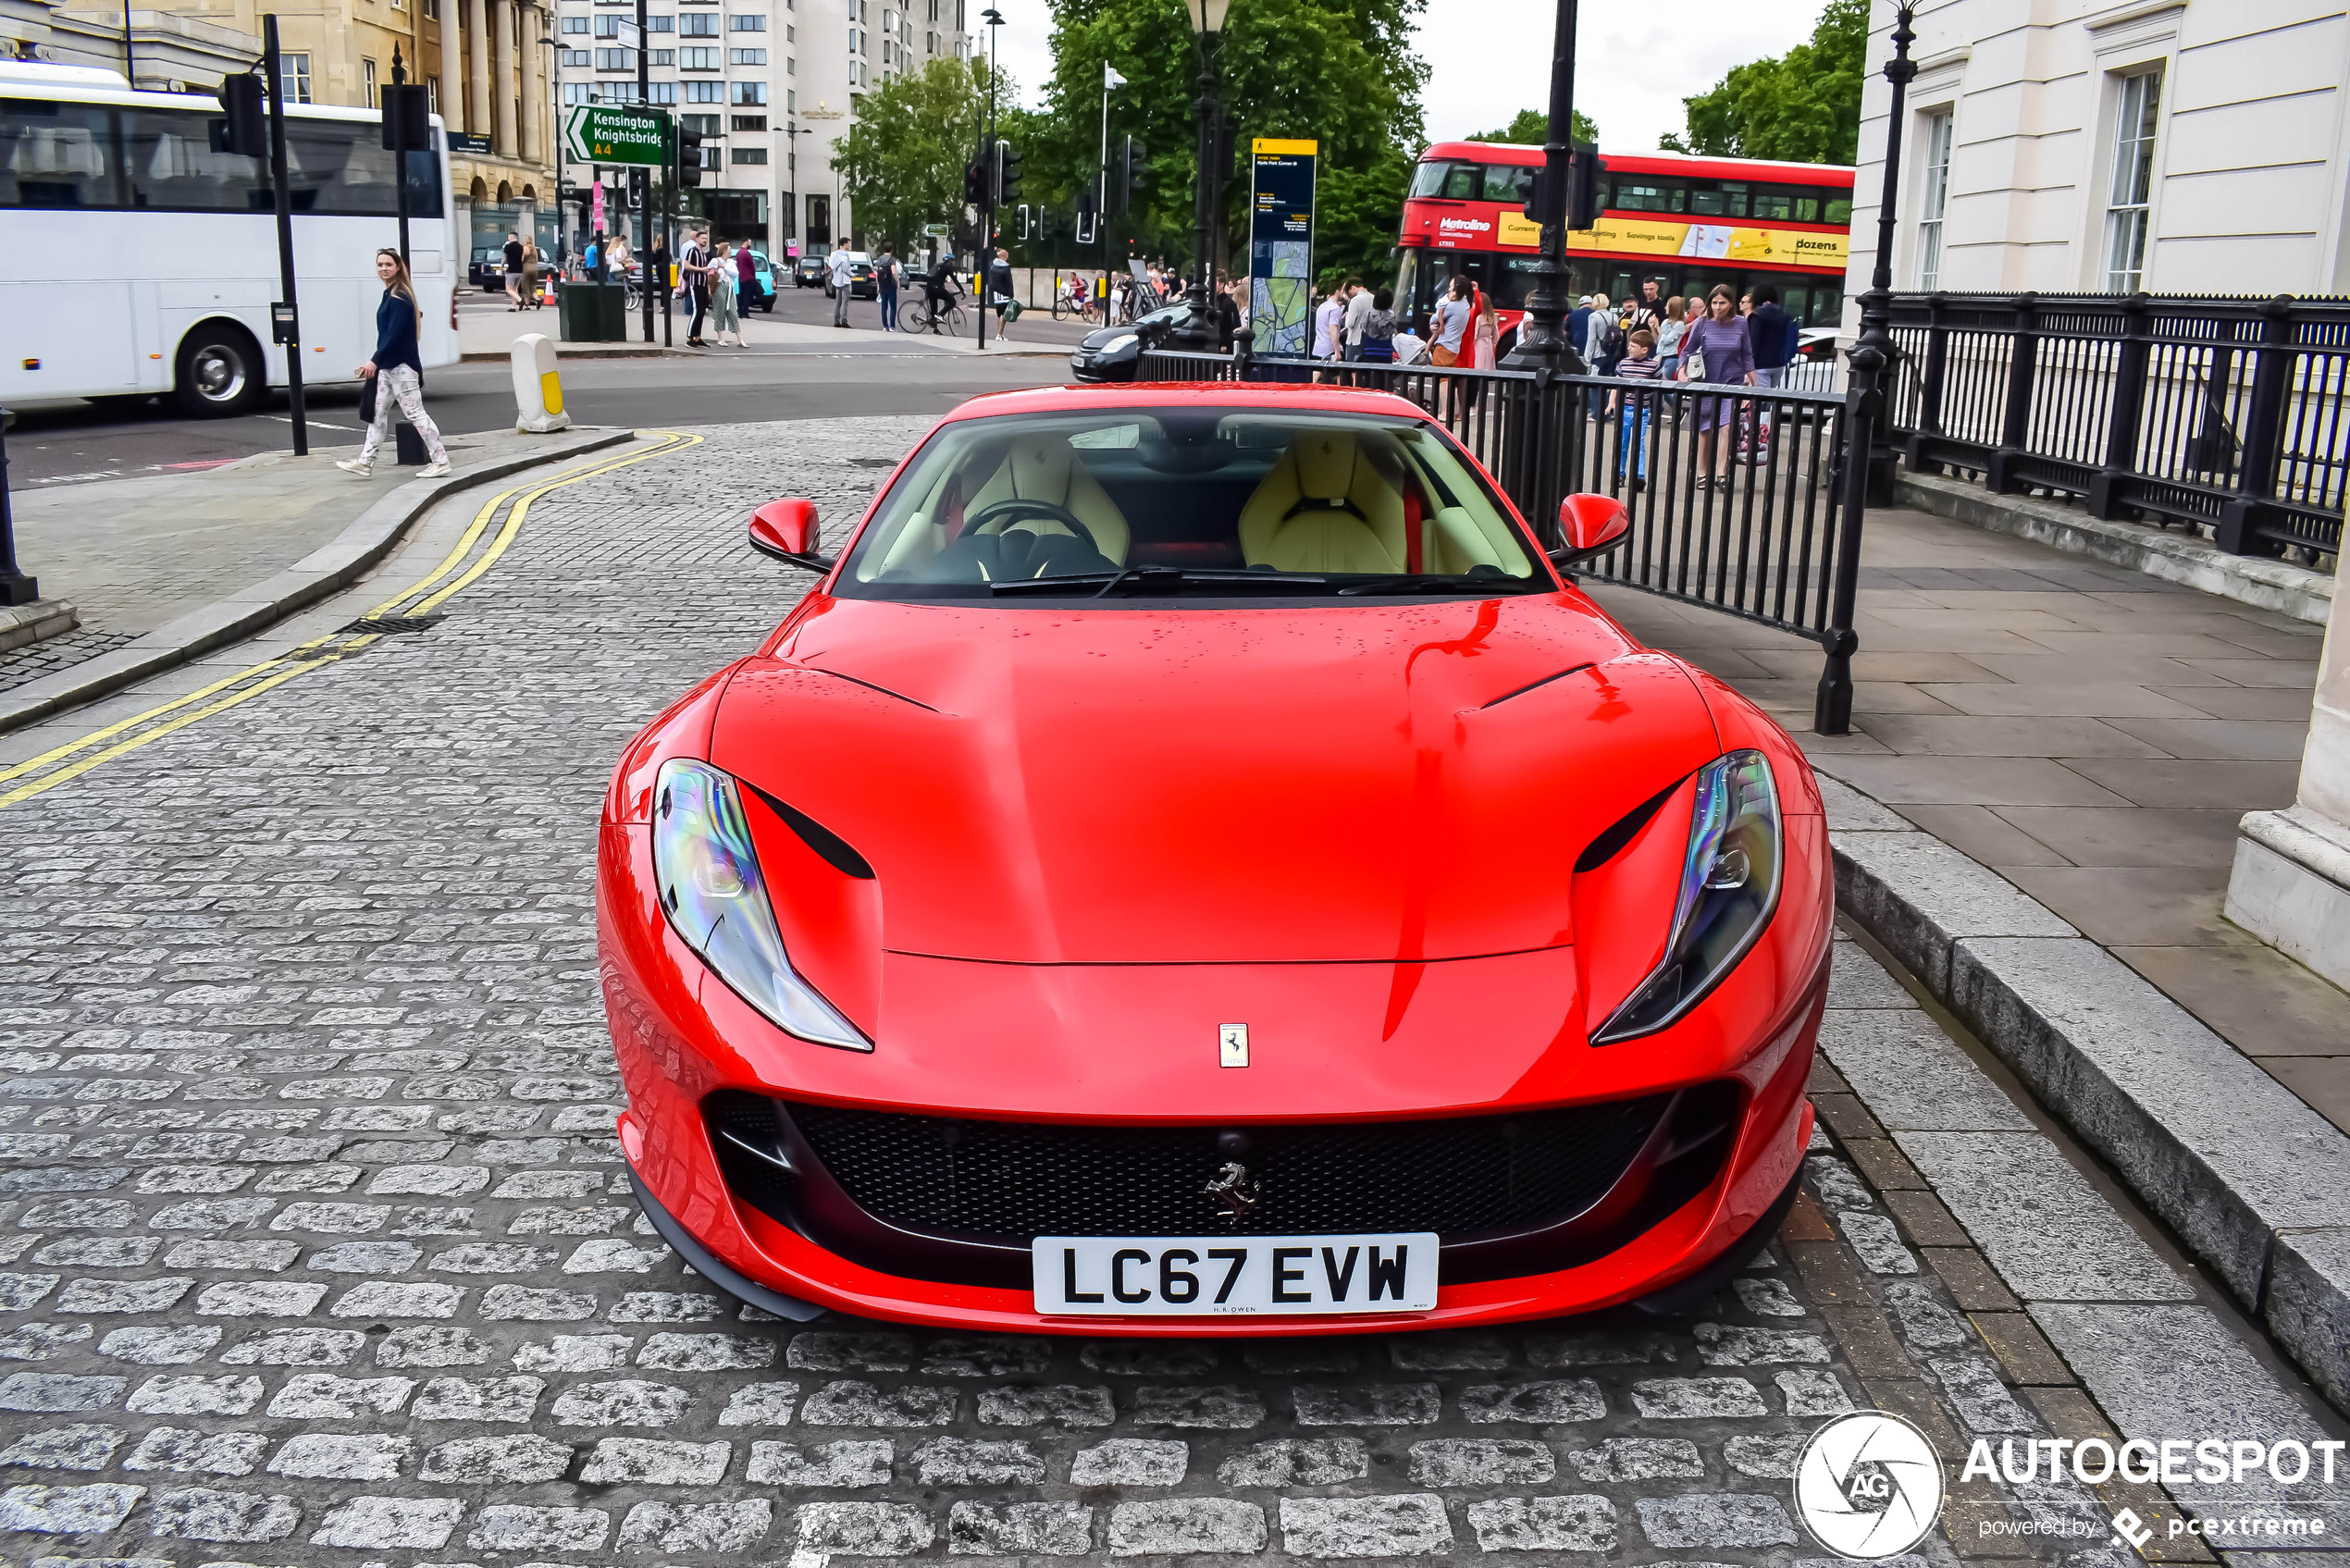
(538, 390)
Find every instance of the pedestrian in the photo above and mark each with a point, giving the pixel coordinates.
(723, 287)
(1717, 352)
(1330, 325)
(1488, 333)
(1668, 336)
(1648, 310)
(1228, 316)
(594, 260)
(1578, 323)
(746, 284)
(1602, 348)
(693, 266)
(617, 256)
(530, 296)
(1773, 335)
(662, 279)
(842, 274)
(885, 282)
(1451, 324)
(1358, 308)
(398, 373)
(1378, 330)
(513, 271)
(1640, 366)
(999, 292)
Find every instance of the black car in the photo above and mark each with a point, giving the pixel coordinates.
(807, 272)
(1111, 354)
(487, 272)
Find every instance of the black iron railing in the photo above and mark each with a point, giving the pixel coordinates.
(1734, 497)
(2232, 415)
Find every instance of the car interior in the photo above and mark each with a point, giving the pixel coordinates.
(994, 500)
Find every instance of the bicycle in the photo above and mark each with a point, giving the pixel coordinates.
(921, 317)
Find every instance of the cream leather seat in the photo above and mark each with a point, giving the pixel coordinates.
(1042, 467)
(1325, 507)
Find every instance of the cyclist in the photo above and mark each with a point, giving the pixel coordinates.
(939, 290)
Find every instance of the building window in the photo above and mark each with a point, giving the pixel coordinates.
(663, 93)
(574, 58)
(748, 122)
(608, 27)
(661, 24)
(697, 59)
(791, 66)
(615, 60)
(747, 56)
(660, 57)
(747, 24)
(574, 25)
(791, 35)
(1932, 195)
(706, 124)
(2125, 209)
(791, 98)
(705, 91)
(750, 92)
(367, 83)
(698, 27)
(750, 155)
(578, 93)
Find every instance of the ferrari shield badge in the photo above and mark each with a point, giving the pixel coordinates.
(1232, 1043)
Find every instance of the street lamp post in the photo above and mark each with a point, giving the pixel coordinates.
(987, 167)
(1870, 359)
(1197, 331)
(1541, 337)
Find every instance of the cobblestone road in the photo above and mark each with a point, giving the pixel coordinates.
(318, 1248)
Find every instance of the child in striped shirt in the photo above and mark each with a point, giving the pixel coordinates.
(1639, 364)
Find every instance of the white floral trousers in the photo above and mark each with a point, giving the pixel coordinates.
(400, 384)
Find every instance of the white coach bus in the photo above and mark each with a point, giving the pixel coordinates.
(138, 260)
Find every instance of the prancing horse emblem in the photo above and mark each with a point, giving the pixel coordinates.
(1234, 1193)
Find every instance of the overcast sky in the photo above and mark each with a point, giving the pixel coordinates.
(1490, 58)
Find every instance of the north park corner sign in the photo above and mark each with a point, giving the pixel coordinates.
(597, 133)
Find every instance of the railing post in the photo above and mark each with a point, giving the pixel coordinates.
(1832, 707)
(2241, 514)
(2015, 426)
(1937, 367)
(2128, 409)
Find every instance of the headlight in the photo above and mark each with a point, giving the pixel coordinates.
(1730, 885)
(711, 889)
(1121, 341)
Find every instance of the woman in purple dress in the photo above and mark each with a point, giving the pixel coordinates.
(1728, 359)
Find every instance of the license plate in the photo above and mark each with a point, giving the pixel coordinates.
(1213, 1276)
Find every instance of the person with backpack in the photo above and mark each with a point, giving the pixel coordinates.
(1378, 346)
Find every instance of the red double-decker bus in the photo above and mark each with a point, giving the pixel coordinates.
(1688, 222)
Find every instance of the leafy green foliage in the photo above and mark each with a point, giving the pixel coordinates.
(1532, 128)
(1803, 106)
(1342, 72)
(901, 163)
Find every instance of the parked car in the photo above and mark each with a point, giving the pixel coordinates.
(487, 272)
(1111, 354)
(807, 272)
(1010, 942)
(861, 276)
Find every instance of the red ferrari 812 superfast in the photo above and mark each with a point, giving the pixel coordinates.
(1194, 865)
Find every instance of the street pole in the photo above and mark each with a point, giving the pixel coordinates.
(399, 118)
(1197, 332)
(15, 586)
(1870, 359)
(130, 64)
(994, 19)
(1541, 337)
(291, 329)
(1875, 338)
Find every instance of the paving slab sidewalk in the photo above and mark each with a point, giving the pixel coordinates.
(486, 335)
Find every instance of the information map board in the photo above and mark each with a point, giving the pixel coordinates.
(1280, 244)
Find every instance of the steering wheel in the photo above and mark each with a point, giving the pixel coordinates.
(1019, 509)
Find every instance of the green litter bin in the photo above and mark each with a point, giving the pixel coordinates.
(593, 313)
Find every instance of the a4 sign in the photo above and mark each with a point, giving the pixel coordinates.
(599, 133)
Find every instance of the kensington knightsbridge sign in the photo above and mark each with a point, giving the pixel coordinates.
(595, 133)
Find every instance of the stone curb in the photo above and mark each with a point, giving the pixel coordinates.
(2255, 1182)
(36, 620)
(2183, 558)
(333, 565)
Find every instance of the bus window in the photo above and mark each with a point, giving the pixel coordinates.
(57, 155)
(1840, 210)
(1447, 181)
(1648, 199)
(1509, 182)
(1768, 204)
(340, 167)
(1807, 209)
(1408, 269)
(173, 167)
(1515, 284)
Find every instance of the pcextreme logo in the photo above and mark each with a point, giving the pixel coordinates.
(1868, 1486)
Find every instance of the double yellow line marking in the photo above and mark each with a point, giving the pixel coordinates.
(77, 758)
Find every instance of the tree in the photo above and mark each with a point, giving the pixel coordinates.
(901, 163)
(1342, 72)
(1532, 128)
(1803, 107)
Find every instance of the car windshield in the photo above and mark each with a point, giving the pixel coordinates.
(1132, 503)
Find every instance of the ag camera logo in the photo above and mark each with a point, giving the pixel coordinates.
(1868, 1486)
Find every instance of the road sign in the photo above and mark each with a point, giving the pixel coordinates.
(598, 133)
(934, 231)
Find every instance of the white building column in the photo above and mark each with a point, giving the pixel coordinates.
(532, 115)
(452, 69)
(2291, 883)
(477, 66)
(501, 78)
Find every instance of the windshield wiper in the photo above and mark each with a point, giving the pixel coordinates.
(1108, 580)
(1443, 583)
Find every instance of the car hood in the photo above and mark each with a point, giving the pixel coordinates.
(1365, 783)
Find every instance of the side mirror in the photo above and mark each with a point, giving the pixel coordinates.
(788, 531)
(1591, 524)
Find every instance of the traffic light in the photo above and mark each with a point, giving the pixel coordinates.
(1583, 171)
(974, 185)
(243, 129)
(1007, 174)
(1133, 174)
(688, 155)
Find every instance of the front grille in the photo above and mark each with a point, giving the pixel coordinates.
(1458, 1176)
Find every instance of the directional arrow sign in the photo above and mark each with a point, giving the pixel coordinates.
(598, 133)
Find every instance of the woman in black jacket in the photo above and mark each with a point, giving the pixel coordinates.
(399, 374)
